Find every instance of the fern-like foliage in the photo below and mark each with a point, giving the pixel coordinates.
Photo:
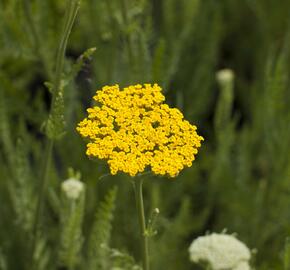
(41, 255)
(72, 213)
(173, 236)
(22, 189)
(21, 185)
(98, 255)
(56, 124)
(78, 65)
(122, 260)
(5, 133)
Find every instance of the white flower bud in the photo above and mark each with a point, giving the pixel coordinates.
(156, 211)
(72, 188)
(220, 251)
(225, 76)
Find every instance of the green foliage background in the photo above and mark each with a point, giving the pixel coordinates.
(241, 178)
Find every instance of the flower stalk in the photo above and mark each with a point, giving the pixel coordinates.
(142, 223)
(73, 6)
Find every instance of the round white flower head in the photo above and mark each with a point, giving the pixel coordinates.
(225, 76)
(156, 211)
(221, 252)
(72, 188)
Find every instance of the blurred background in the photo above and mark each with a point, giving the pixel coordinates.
(240, 180)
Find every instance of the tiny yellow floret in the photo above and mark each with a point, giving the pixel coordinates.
(134, 130)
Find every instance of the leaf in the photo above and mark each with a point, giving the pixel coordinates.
(41, 254)
(78, 66)
(55, 124)
(122, 260)
(72, 215)
(98, 257)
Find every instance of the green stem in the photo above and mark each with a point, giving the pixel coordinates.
(72, 9)
(39, 207)
(140, 209)
(44, 178)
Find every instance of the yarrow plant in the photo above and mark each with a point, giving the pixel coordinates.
(133, 130)
(72, 188)
(225, 76)
(220, 252)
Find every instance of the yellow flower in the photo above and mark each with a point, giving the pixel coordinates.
(133, 130)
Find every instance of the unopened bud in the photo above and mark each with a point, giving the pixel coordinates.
(72, 188)
(225, 76)
(156, 210)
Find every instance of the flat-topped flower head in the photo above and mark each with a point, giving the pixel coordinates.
(134, 130)
(220, 252)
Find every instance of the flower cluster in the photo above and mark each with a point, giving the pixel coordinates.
(72, 188)
(225, 76)
(221, 252)
(133, 129)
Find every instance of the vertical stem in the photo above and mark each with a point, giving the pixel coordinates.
(44, 177)
(71, 12)
(39, 207)
(140, 209)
